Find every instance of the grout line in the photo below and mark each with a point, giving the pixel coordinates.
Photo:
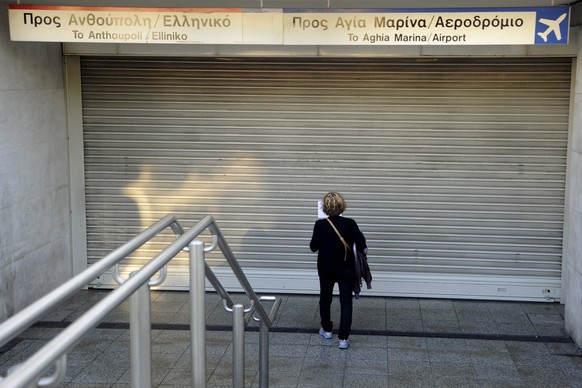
(10, 345)
(478, 336)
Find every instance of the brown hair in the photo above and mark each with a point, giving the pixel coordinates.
(333, 204)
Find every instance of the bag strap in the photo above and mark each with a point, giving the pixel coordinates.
(346, 246)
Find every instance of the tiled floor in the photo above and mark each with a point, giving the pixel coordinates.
(395, 342)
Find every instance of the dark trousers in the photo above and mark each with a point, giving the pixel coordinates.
(345, 285)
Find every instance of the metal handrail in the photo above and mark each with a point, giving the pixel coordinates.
(56, 349)
(25, 318)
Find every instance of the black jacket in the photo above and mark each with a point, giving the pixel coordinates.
(331, 251)
(362, 273)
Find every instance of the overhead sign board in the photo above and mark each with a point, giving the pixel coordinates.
(450, 26)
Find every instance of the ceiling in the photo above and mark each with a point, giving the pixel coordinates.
(303, 3)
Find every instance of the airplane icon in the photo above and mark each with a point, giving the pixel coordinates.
(553, 26)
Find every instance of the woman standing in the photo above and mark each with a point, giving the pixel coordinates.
(332, 239)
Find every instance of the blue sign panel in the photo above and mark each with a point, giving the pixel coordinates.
(552, 26)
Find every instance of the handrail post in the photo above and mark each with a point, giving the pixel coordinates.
(197, 313)
(238, 355)
(263, 355)
(140, 337)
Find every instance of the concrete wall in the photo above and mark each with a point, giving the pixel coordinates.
(572, 265)
(35, 254)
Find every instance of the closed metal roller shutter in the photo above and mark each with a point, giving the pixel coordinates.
(454, 169)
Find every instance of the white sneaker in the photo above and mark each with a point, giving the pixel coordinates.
(343, 344)
(325, 334)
